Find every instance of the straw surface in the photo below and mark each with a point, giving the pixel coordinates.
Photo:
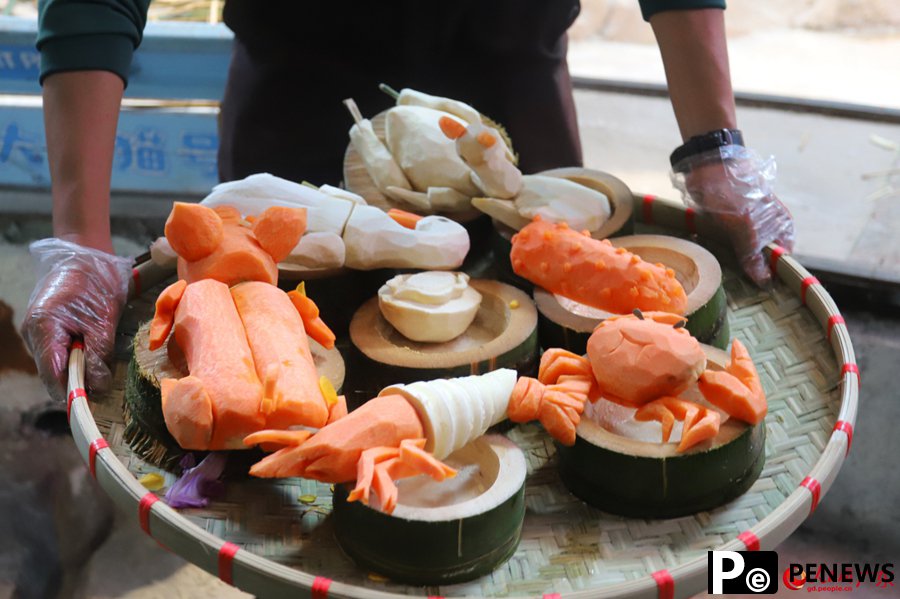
(566, 545)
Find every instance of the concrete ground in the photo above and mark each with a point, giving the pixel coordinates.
(829, 171)
(836, 50)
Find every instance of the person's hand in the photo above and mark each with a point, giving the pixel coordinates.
(733, 185)
(80, 293)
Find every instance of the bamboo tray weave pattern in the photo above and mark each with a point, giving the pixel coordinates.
(274, 538)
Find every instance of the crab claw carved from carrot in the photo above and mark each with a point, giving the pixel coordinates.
(737, 389)
(558, 406)
(700, 423)
(379, 467)
(557, 362)
(557, 397)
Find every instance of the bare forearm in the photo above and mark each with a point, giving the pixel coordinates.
(81, 109)
(695, 56)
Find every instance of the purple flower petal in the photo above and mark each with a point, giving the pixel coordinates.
(187, 461)
(192, 489)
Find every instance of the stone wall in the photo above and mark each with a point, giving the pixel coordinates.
(620, 20)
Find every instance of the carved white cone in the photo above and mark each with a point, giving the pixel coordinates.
(457, 411)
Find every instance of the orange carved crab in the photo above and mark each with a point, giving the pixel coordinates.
(644, 361)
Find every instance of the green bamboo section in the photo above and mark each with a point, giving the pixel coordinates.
(662, 486)
(568, 325)
(145, 427)
(654, 480)
(460, 540)
(428, 553)
(709, 324)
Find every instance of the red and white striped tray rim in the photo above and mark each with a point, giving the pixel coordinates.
(261, 576)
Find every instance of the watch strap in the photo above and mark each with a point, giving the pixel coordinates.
(705, 142)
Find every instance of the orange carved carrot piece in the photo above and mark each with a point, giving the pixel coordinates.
(292, 395)
(402, 217)
(272, 440)
(379, 467)
(451, 127)
(164, 317)
(210, 332)
(736, 390)
(188, 411)
(557, 421)
(309, 312)
(700, 423)
(279, 229)
(332, 454)
(705, 426)
(525, 400)
(558, 409)
(193, 230)
(365, 470)
(338, 409)
(557, 362)
(383, 483)
(593, 272)
(237, 258)
(573, 401)
(575, 384)
(656, 410)
(413, 454)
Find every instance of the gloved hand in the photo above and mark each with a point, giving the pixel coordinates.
(733, 185)
(80, 292)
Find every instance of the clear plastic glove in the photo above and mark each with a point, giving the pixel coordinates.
(733, 185)
(80, 293)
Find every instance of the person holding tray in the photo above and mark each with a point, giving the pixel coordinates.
(293, 63)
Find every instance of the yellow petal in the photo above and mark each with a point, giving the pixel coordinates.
(328, 391)
(152, 481)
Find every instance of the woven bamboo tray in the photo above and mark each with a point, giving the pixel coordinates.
(274, 538)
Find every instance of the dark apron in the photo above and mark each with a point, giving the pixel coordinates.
(294, 62)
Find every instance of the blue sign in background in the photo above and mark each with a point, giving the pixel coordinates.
(162, 149)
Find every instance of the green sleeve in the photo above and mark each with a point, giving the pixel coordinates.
(97, 35)
(651, 7)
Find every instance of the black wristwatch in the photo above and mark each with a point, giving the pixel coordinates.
(703, 143)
